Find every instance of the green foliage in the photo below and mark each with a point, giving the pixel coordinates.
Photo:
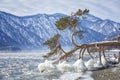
(79, 34)
(52, 52)
(52, 42)
(62, 23)
(56, 50)
(86, 11)
(80, 12)
(70, 21)
(74, 22)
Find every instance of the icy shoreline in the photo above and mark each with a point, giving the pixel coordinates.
(107, 74)
(24, 66)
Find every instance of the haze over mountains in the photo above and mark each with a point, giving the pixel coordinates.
(29, 32)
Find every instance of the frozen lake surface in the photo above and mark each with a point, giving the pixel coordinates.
(24, 66)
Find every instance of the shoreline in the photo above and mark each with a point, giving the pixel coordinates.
(112, 73)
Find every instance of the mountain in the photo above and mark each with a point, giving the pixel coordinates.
(29, 32)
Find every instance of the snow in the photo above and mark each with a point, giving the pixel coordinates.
(76, 76)
(23, 65)
(32, 31)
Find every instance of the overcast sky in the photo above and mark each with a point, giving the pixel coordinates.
(105, 9)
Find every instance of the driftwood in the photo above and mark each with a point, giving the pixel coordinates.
(99, 45)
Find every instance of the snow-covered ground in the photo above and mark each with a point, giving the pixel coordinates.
(24, 66)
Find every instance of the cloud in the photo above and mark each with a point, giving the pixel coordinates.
(105, 9)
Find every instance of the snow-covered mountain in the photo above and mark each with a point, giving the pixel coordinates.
(29, 32)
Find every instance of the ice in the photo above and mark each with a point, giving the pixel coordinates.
(76, 76)
(24, 66)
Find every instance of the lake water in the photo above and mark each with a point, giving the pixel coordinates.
(24, 66)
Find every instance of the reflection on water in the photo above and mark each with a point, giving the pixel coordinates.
(22, 66)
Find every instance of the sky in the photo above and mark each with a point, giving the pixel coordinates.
(104, 9)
